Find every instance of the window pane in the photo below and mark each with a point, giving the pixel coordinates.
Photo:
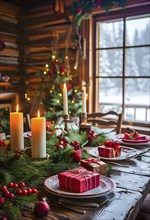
(138, 31)
(110, 34)
(109, 62)
(137, 95)
(138, 61)
(110, 94)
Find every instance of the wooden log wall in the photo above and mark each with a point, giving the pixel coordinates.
(9, 65)
(32, 31)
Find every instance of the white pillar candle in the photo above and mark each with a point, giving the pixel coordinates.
(83, 99)
(65, 100)
(38, 134)
(16, 130)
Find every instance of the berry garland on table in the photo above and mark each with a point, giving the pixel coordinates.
(82, 9)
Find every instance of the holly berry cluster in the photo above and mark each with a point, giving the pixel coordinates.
(9, 192)
(91, 136)
(63, 142)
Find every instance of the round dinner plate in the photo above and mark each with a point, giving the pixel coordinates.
(132, 142)
(106, 186)
(126, 152)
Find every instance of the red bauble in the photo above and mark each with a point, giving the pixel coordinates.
(10, 185)
(34, 190)
(29, 191)
(15, 185)
(21, 184)
(41, 209)
(3, 188)
(11, 196)
(2, 201)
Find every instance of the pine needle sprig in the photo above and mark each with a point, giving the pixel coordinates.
(98, 141)
(5, 176)
(13, 212)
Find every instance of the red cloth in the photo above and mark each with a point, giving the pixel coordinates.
(78, 180)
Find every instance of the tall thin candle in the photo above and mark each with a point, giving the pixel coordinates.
(65, 100)
(83, 99)
(38, 131)
(16, 130)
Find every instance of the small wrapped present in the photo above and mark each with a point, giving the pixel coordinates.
(94, 165)
(78, 180)
(109, 149)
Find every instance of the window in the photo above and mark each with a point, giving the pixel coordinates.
(122, 74)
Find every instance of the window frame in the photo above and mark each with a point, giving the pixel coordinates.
(113, 15)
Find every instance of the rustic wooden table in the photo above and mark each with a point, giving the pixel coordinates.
(133, 184)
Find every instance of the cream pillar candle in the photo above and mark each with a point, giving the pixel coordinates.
(65, 100)
(38, 134)
(16, 130)
(83, 99)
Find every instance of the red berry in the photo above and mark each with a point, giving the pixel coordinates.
(3, 188)
(34, 190)
(59, 146)
(29, 191)
(19, 192)
(61, 143)
(2, 201)
(10, 185)
(6, 193)
(21, 184)
(24, 192)
(11, 196)
(15, 186)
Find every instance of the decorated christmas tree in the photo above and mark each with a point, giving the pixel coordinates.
(55, 74)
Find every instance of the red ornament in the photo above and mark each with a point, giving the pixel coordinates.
(15, 185)
(34, 190)
(2, 201)
(24, 192)
(11, 196)
(10, 185)
(3, 188)
(21, 184)
(19, 192)
(29, 191)
(41, 209)
(77, 155)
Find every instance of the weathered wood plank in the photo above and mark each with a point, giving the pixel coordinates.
(9, 68)
(48, 23)
(8, 37)
(8, 19)
(9, 60)
(9, 52)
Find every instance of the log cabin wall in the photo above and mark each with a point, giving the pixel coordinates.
(9, 64)
(34, 30)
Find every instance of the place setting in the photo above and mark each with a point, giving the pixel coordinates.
(133, 139)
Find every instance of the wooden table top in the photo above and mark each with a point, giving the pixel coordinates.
(133, 184)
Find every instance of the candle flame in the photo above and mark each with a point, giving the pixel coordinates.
(38, 113)
(17, 108)
(64, 85)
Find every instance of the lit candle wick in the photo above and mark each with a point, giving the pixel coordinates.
(38, 113)
(17, 108)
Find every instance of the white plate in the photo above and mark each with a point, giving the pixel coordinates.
(126, 152)
(130, 143)
(106, 186)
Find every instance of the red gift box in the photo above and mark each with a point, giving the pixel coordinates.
(78, 180)
(110, 149)
(94, 165)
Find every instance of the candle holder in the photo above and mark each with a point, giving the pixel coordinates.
(66, 120)
(84, 125)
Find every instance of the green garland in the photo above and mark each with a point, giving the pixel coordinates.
(82, 9)
(18, 166)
